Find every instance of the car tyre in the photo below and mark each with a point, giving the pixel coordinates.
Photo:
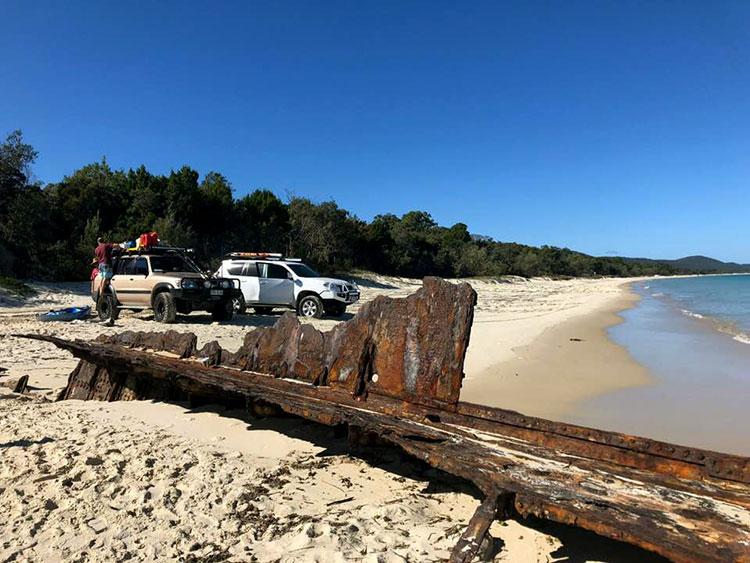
(262, 310)
(224, 311)
(238, 304)
(165, 308)
(310, 306)
(106, 308)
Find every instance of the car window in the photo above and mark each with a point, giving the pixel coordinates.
(251, 270)
(169, 264)
(272, 271)
(122, 265)
(236, 270)
(140, 267)
(303, 271)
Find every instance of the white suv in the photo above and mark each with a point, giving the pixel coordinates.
(270, 280)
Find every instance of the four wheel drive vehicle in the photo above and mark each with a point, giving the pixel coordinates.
(166, 280)
(270, 280)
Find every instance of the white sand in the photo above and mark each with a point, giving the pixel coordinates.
(546, 350)
(149, 481)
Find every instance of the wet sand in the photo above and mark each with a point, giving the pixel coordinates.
(701, 381)
(560, 367)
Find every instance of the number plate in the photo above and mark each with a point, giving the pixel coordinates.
(217, 292)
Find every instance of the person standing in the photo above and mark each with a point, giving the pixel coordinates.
(103, 254)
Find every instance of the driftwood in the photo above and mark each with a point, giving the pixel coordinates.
(395, 370)
(21, 384)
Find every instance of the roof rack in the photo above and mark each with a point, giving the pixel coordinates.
(261, 256)
(157, 250)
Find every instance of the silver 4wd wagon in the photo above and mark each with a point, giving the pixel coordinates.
(268, 281)
(166, 280)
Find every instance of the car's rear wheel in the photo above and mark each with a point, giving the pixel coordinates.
(165, 308)
(262, 310)
(223, 311)
(106, 308)
(310, 306)
(238, 304)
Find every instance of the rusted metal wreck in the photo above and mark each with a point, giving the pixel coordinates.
(395, 370)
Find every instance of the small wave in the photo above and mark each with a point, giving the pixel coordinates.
(646, 286)
(657, 294)
(691, 314)
(727, 327)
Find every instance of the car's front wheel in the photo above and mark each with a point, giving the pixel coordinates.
(165, 308)
(310, 306)
(106, 308)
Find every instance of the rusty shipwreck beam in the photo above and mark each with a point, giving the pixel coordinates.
(395, 370)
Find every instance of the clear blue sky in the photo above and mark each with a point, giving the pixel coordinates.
(608, 127)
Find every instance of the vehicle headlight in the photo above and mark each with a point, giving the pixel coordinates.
(188, 284)
(207, 284)
(335, 287)
(225, 284)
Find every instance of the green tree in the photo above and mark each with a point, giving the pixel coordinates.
(23, 210)
(324, 234)
(214, 220)
(261, 223)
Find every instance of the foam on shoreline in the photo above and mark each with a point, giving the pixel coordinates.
(701, 383)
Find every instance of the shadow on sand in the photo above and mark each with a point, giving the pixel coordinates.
(578, 545)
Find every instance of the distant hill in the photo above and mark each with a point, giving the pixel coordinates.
(697, 264)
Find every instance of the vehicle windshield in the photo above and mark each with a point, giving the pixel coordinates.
(170, 263)
(303, 271)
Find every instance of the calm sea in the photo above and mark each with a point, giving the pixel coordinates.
(694, 336)
(721, 300)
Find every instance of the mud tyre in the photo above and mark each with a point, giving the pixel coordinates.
(106, 308)
(165, 308)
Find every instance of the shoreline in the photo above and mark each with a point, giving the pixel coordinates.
(568, 361)
(698, 368)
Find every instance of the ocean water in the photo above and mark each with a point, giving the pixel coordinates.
(721, 300)
(693, 334)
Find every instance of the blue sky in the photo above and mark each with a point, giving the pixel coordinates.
(608, 127)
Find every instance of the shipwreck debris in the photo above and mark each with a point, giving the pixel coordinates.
(395, 370)
(19, 385)
(22, 384)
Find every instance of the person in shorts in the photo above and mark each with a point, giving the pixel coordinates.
(103, 253)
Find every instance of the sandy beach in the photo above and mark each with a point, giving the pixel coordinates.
(553, 352)
(147, 481)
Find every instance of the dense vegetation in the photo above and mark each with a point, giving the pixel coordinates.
(49, 232)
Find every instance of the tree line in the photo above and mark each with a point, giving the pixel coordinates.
(49, 232)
